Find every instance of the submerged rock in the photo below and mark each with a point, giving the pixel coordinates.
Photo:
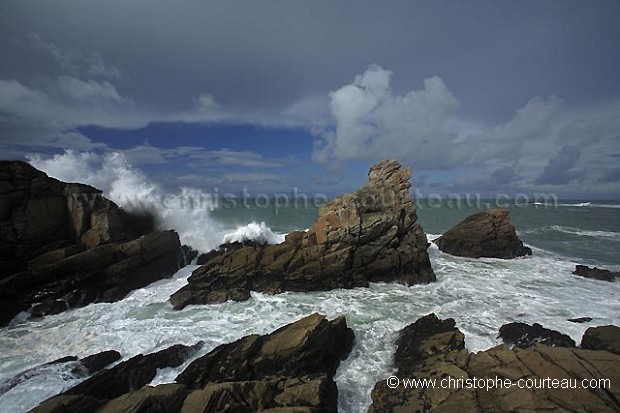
(289, 370)
(580, 320)
(485, 234)
(524, 335)
(475, 382)
(371, 235)
(596, 273)
(64, 245)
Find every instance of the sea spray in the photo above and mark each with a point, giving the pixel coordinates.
(188, 211)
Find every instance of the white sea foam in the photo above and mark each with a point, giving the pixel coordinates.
(188, 211)
(574, 231)
(480, 294)
(254, 231)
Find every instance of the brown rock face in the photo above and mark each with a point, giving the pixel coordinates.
(485, 234)
(367, 236)
(440, 356)
(602, 338)
(64, 245)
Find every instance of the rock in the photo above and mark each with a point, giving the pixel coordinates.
(485, 234)
(371, 235)
(538, 362)
(160, 399)
(524, 335)
(310, 346)
(64, 245)
(189, 254)
(302, 394)
(290, 370)
(602, 338)
(78, 367)
(134, 373)
(580, 320)
(595, 273)
(428, 336)
(125, 377)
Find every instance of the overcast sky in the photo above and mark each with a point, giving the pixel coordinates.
(477, 96)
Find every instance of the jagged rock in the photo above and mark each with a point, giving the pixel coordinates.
(300, 394)
(78, 367)
(310, 346)
(371, 235)
(485, 234)
(524, 335)
(602, 338)
(580, 320)
(290, 370)
(567, 365)
(165, 398)
(595, 273)
(125, 377)
(64, 245)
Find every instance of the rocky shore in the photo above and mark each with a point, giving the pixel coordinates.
(367, 236)
(63, 245)
(434, 350)
(289, 370)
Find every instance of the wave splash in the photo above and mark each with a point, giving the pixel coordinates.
(188, 211)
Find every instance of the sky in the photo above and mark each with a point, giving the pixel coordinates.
(487, 97)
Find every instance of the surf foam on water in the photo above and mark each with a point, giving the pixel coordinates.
(254, 231)
(188, 211)
(480, 294)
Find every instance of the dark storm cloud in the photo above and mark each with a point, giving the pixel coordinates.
(443, 84)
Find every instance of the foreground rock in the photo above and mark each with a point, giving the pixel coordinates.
(79, 368)
(367, 236)
(123, 378)
(289, 370)
(433, 349)
(485, 234)
(596, 273)
(64, 245)
(602, 338)
(524, 335)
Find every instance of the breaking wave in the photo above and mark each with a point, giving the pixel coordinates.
(187, 211)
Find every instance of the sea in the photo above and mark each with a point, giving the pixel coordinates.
(480, 294)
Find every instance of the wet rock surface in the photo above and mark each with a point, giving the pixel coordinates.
(367, 236)
(438, 354)
(64, 245)
(485, 234)
(524, 335)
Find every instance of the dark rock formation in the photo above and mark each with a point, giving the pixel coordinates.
(602, 338)
(189, 254)
(79, 368)
(524, 335)
(64, 245)
(367, 236)
(580, 320)
(596, 273)
(485, 234)
(289, 370)
(125, 377)
(446, 361)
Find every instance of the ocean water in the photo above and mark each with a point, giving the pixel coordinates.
(480, 294)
